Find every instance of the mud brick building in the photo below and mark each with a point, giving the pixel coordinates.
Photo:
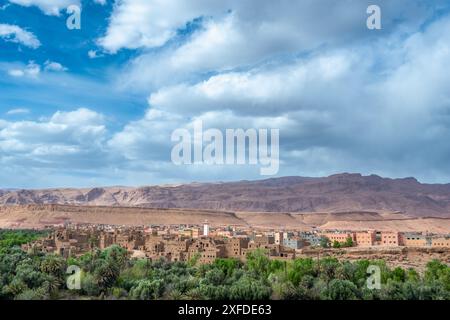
(365, 238)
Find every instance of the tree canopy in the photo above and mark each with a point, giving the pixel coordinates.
(112, 274)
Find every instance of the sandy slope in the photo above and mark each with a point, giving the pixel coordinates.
(38, 216)
(434, 225)
(337, 193)
(272, 220)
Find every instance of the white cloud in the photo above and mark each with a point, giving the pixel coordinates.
(54, 66)
(151, 23)
(253, 32)
(16, 73)
(16, 34)
(66, 139)
(79, 117)
(344, 99)
(49, 7)
(18, 111)
(52, 7)
(93, 54)
(31, 70)
(148, 138)
(259, 91)
(368, 108)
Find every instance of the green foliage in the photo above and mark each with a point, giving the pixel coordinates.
(111, 274)
(438, 272)
(194, 259)
(228, 266)
(11, 238)
(328, 267)
(32, 294)
(249, 289)
(398, 274)
(300, 268)
(214, 277)
(341, 290)
(336, 244)
(147, 290)
(53, 265)
(324, 242)
(106, 273)
(348, 242)
(89, 285)
(139, 269)
(258, 262)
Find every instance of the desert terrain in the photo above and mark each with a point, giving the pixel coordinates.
(337, 193)
(342, 201)
(404, 257)
(39, 216)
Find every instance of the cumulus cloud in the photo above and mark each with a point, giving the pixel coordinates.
(72, 138)
(31, 70)
(236, 34)
(366, 107)
(259, 91)
(144, 23)
(13, 33)
(49, 7)
(148, 138)
(151, 23)
(54, 66)
(344, 98)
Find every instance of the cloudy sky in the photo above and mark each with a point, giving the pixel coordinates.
(97, 106)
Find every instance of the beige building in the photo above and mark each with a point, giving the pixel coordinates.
(413, 240)
(441, 242)
(340, 237)
(234, 247)
(207, 249)
(390, 239)
(365, 238)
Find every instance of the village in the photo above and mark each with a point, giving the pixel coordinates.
(207, 243)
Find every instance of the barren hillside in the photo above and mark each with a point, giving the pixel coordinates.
(39, 216)
(343, 192)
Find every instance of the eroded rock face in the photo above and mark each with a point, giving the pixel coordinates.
(342, 192)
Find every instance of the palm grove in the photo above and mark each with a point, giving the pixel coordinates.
(111, 274)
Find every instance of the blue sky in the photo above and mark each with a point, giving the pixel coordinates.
(69, 48)
(97, 106)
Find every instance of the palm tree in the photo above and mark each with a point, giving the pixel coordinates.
(53, 265)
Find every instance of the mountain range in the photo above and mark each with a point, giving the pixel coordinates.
(337, 193)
